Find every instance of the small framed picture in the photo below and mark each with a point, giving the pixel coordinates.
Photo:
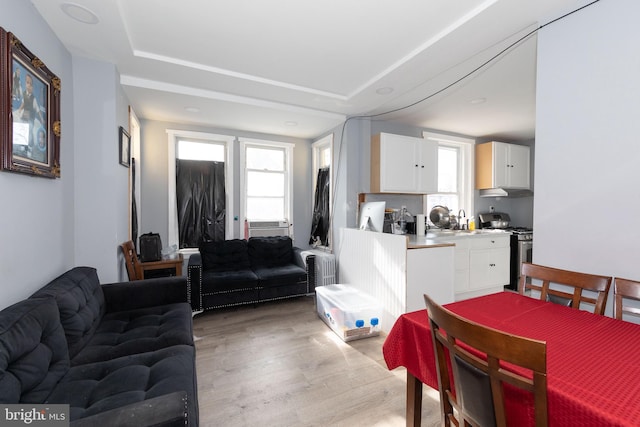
(29, 111)
(125, 148)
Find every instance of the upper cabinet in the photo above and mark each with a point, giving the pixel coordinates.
(502, 165)
(403, 164)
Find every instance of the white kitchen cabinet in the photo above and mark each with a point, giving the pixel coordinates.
(403, 164)
(481, 263)
(489, 263)
(502, 165)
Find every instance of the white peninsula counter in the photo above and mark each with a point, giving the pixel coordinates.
(396, 270)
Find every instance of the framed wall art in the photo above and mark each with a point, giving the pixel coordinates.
(29, 111)
(125, 148)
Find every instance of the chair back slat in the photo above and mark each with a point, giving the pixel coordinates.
(625, 290)
(134, 269)
(549, 276)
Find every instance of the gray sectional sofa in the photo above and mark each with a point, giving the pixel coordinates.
(119, 354)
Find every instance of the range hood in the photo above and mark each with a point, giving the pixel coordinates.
(505, 192)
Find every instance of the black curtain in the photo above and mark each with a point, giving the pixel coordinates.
(200, 195)
(134, 209)
(320, 219)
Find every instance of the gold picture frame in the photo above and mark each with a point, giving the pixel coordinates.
(29, 111)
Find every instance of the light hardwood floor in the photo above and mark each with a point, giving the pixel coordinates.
(278, 364)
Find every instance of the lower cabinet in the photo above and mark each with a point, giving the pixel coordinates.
(481, 264)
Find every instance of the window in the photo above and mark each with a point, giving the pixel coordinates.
(200, 192)
(198, 145)
(455, 173)
(321, 219)
(266, 180)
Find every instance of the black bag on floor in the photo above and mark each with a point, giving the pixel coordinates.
(150, 247)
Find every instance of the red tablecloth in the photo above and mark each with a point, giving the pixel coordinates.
(593, 362)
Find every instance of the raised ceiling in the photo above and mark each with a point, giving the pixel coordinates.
(299, 68)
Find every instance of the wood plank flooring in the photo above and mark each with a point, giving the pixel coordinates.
(278, 364)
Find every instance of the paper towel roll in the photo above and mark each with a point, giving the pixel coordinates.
(420, 224)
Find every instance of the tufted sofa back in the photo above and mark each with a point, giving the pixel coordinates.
(225, 255)
(33, 351)
(274, 251)
(81, 304)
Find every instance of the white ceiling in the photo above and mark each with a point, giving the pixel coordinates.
(299, 68)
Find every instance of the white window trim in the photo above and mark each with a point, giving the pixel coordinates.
(466, 146)
(173, 137)
(244, 142)
(316, 147)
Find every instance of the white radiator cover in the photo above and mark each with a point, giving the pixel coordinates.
(325, 267)
(267, 228)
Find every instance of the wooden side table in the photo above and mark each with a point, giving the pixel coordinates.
(174, 263)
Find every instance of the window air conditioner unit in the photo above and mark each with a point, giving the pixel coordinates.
(267, 228)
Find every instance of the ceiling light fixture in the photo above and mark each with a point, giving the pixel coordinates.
(291, 123)
(384, 90)
(192, 109)
(79, 13)
(478, 101)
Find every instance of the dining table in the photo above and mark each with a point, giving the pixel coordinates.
(593, 361)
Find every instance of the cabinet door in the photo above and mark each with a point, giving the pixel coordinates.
(501, 164)
(398, 164)
(428, 166)
(519, 166)
(488, 267)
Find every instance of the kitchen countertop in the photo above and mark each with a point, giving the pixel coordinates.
(439, 238)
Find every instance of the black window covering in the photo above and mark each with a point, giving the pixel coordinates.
(320, 219)
(134, 208)
(200, 194)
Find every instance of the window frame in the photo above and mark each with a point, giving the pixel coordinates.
(466, 167)
(287, 148)
(173, 137)
(317, 147)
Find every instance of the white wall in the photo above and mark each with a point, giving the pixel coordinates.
(586, 171)
(36, 214)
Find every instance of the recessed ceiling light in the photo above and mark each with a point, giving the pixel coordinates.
(384, 90)
(192, 109)
(291, 123)
(79, 13)
(478, 101)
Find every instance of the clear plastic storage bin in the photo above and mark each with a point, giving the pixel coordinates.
(351, 313)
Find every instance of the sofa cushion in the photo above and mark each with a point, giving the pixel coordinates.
(283, 275)
(33, 351)
(220, 281)
(81, 304)
(270, 251)
(96, 387)
(225, 255)
(122, 333)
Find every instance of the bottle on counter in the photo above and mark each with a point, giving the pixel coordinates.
(472, 223)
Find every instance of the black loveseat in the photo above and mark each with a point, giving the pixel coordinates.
(119, 355)
(235, 272)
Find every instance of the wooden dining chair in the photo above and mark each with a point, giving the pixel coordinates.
(556, 284)
(134, 269)
(625, 290)
(472, 394)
